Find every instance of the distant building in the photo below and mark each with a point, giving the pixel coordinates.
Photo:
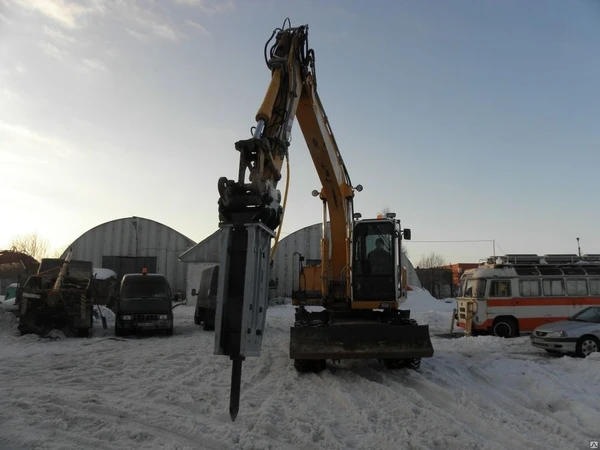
(437, 280)
(458, 269)
(15, 267)
(286, 265)
(130, 244)
(443, 281)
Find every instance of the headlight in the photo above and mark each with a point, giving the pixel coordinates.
(162, 317)
(555, 334)
(126, 317)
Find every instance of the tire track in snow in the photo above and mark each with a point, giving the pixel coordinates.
(122, 413)
(403, 413)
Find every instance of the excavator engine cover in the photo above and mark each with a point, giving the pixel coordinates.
(360, 340)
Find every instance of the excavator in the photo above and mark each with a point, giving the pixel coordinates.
(359, 284)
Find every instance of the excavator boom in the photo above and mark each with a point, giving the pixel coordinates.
(251, 212)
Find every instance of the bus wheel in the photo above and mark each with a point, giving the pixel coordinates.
(505, 327)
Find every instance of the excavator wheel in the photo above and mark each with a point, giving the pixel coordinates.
(403, 363)
(310, 365)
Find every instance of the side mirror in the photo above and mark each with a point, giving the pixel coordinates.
(194, 292)
(406, 234)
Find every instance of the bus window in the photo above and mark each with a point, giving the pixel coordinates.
(554, 287)
(529, 288)
(500, 288)
(474, 288)
(577, 287)
(594, 286)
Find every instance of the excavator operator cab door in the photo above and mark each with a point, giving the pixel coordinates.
(375, 261)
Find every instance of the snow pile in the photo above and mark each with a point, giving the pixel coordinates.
(103, 274)
(173, 393)
(108, 314)
(8, 305)
(427, 310)
(8, 321)
(420, 300)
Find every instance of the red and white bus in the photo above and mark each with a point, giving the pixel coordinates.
(514, 294)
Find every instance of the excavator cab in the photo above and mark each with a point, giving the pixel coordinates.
(375, 262)
(377, 282)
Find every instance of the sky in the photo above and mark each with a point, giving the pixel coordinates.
(472, 120)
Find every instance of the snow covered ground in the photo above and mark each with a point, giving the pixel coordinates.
(172, 393)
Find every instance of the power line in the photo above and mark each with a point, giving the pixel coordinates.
(476, 240)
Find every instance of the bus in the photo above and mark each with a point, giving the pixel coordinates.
(513, 294)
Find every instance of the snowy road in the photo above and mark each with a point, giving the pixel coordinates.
(172, 393)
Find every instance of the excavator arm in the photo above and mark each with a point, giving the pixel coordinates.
(251, 211)
(250, 208)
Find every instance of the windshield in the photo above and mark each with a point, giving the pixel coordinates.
(373, 248)
(145, 288)
(474, 288)
(591, 314)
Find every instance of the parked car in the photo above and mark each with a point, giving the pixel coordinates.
(206, 304)
(144, 303)
(10, 298)
(579, 334)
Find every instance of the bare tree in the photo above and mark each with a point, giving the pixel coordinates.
(430, 261)
(56, 253)
(31, 244)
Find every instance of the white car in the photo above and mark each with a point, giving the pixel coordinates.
(579, 334)
(7, 303)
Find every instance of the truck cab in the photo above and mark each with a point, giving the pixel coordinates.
(144, 303)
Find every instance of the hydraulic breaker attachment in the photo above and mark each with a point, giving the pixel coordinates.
(242, 297)
(360, 340)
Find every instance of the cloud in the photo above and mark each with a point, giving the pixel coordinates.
(136, 34)
(52, 50)
(10, 95)
(197, 26)
(58, 35)
(154, 28)
(66, 13)
(18, 136)
(18, 69)
(4, 19)
(163, 31)
(209, 6)
(112, 52)
(94, 65)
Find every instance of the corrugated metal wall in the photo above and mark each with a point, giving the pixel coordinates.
(136, 236)
(208, 250)
(306, 241)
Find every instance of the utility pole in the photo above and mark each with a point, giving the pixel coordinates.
(578, 248)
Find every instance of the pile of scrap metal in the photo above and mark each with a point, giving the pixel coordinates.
(58, 297)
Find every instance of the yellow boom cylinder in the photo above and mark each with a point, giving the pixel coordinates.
(266, 108)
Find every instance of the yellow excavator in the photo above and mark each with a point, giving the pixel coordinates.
(359, 283)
